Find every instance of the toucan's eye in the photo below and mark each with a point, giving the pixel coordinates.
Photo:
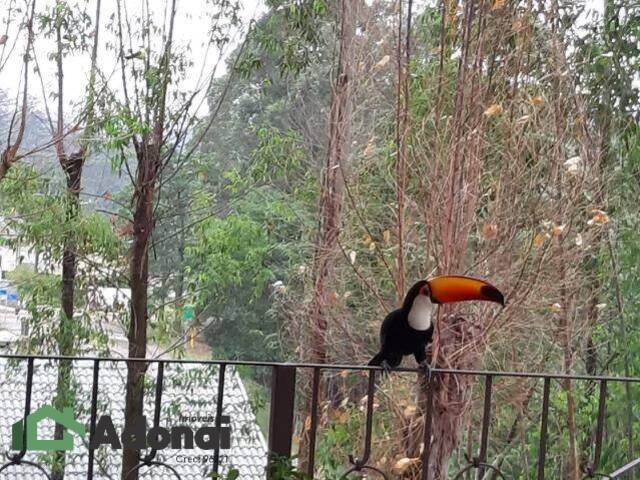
(425, 290)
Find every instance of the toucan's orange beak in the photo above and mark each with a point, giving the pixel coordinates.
(447, 289)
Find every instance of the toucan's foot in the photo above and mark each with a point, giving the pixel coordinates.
(425, 367)
(385, 367)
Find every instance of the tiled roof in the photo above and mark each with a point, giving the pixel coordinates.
(188, 391)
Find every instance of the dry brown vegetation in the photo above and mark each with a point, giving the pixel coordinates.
(503, 181)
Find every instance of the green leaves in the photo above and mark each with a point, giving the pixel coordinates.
(233, 474)
(281, 468)
(39, 217)
(292, 32)
(278, 156)
(74, 22)
(120, 126)
(230, 252)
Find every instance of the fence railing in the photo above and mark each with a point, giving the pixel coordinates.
(283, 408)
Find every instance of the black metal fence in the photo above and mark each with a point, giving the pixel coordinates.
(282, 415)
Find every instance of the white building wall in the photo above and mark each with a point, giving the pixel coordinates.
(10, 258)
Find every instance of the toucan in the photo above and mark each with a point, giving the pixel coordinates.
(408, 330)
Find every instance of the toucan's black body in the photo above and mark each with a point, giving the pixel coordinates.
(398, 339)
(409, 329)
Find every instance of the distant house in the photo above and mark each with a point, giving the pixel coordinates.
(14, 254)
(10, 258)
(101, 298)
(189, 391)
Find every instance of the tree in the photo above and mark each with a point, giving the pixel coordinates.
(610, 57)
(9, 155)
(330, 201)
(63, 22)
(260, 164)
(158, 119)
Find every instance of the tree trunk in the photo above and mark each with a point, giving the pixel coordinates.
(402, 131)
(143, 223)
(331, 201)
(6, 162)
(149, 156)
(332, 186)
(451, 397)
(72, 167)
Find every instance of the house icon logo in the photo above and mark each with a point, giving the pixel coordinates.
(33, 443)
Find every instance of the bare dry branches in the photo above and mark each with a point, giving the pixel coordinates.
(10, 154)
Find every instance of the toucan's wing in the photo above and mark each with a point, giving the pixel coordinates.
(391, 322)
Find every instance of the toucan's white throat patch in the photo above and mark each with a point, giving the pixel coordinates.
(421, 312)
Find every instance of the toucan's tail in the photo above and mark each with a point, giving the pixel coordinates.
(376, 361)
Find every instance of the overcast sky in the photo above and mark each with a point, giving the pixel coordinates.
(192, 25)
(191, 30)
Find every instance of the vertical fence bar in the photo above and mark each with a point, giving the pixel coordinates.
(216, 453)
(486, 420)
(157, 408)
(315, 391)
(92, 420)
(283, 392)
(542, 449)
(602, 406)
(27, 411)
(158, 399)
(426, 449)
(360, 462)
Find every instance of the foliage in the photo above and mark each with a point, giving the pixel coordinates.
(36, 215)
(229, 252)
(232, 474)
(282, 468)
(73, 20)
(243, 255)
(290, 33)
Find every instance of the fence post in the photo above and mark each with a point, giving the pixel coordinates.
(283, 392)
